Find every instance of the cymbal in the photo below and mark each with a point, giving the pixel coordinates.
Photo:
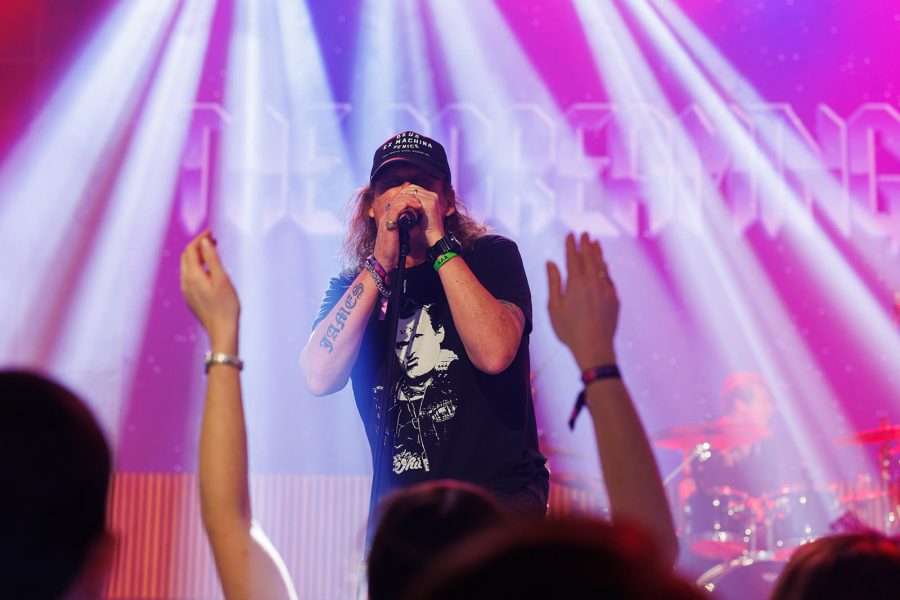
(719, 436)
(884, 433)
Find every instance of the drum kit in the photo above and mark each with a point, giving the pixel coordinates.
(751, 536)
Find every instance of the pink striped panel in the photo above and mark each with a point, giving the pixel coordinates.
(317, 522)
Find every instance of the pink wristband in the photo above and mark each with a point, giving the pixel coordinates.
(377, 266)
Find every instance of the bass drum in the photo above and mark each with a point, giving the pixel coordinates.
(746, 578)
(718, 523)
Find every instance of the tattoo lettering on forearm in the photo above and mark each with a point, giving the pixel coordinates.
(340, 318)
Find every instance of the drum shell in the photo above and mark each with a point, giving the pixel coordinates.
(718, 523)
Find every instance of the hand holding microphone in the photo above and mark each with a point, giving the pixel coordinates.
(403, 216)
(407, 219)
(411, 207)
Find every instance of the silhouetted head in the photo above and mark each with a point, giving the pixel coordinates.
(553, 558)
(420, 522)
(54, 474)
(862, 566)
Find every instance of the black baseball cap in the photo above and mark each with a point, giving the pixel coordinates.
(414, 148)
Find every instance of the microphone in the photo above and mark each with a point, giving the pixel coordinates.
(407, 219)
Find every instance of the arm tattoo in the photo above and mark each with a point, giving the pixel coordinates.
(340, 318)
(515, 311)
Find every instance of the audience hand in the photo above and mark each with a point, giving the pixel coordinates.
(208, 291)
(584, 310)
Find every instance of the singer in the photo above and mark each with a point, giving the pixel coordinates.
(460, 406)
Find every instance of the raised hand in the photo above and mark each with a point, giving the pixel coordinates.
(209, 293)
(584, 310)
(584, 314)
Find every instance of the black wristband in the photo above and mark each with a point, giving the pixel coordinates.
(589, 376)
(600, 372)
(446, 244)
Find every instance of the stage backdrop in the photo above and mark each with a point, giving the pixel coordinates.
(739, 161)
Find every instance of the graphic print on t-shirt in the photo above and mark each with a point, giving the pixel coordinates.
(423, 400)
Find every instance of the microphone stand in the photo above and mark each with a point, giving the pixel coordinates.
(398, 288)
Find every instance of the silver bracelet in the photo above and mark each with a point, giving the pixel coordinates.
(379, 283)
(222, 358)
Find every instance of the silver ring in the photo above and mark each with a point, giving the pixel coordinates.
(415, 191)
(390, 225)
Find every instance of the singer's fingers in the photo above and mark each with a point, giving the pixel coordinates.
(388, 217)
(410, 204)
(418, 191)
(409, 201)
(406, 207)
(401, 202)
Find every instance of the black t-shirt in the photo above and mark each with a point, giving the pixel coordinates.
(447, 419)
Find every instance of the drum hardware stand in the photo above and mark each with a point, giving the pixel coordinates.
(884, 461)
(766, 510)
(888, 499)
(701, 452)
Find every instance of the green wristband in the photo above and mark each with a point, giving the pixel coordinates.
(444, 258)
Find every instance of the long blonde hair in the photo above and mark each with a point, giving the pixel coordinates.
(360, 240)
